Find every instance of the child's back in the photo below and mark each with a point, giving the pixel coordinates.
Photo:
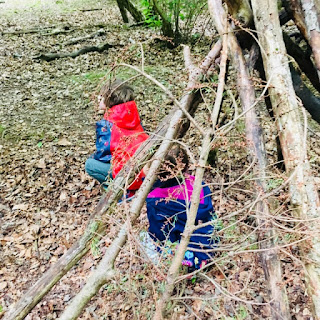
(167, 206)
(119, 134)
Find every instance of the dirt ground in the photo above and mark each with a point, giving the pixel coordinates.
(47, 116)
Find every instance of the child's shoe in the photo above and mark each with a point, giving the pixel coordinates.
(129, 196)
(149, 246)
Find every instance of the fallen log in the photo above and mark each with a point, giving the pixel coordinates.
(271, 261)
(52, 56)
(93, 9)
(34, 30)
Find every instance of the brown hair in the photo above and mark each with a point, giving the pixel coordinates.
(174, 163)
(116, 92)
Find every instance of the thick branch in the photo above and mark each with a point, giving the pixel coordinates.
(303, 59)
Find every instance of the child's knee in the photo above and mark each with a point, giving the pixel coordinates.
(90, 165)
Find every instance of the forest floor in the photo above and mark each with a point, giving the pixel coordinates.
(47, 117)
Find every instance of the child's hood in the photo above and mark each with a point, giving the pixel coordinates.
(124, 115)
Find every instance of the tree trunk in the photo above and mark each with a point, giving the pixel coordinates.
(240, 10)
(166, 24)
(136, 14)
(271, 262)
(126, 5)
(304, 196)
(122, 8)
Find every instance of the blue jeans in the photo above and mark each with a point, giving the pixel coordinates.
(98, 170)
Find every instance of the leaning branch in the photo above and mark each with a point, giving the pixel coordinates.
(195, 198)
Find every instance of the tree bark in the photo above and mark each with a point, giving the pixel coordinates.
(271, 262)
(126, 5)
(303, 192)
(311, 13)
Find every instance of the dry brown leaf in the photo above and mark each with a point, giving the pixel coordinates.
(41, 164)
(64, 142)
(21, 206)
(3, 285)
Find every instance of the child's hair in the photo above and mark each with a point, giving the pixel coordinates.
(175, 163)
(116, 92)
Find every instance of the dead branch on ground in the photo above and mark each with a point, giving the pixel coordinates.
(80, 39)
(52, 56)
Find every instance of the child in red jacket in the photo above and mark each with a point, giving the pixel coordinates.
(118, 135)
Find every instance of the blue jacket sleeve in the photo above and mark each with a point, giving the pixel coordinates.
(103, 141)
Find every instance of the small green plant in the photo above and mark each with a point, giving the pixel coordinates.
(242, 313)
(2, 130)
(274, 183)
(151, 19)
(95, 247)
(176, 18)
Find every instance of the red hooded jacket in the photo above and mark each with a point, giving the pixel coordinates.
(127, 135)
